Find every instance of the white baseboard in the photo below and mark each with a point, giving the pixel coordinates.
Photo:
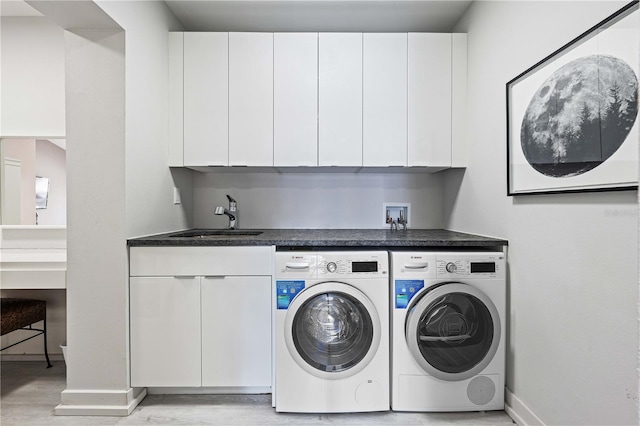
(231, 390)
(100, 402)
(519, 412)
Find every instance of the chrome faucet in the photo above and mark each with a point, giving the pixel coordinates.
(402, 221)
(232, 212)
(394, 225)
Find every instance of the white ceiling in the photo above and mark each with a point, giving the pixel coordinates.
(319, 15)
(17, 8)
(301, 15)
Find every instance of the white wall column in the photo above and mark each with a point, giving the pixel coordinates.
(97, 279)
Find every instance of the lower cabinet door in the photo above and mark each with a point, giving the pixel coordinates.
(236, 331)
(165, 331)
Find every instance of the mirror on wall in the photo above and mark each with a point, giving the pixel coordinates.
(33, 186)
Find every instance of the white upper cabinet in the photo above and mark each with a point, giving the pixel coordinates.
(206, 99)
(295, 99)
(176, 99)
(429, 124)
(251, 99)
(459, 100)
(318, 99)
(340, 99)
(385, 99)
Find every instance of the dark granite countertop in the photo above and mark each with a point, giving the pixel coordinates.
(310, 238)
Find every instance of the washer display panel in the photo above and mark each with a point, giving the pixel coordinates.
(332, 331)
(453, 331)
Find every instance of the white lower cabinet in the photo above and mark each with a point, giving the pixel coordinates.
(201, 317)
(236, 331)
(165, 331)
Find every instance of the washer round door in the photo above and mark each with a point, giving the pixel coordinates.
(332, 330)
(453, 331)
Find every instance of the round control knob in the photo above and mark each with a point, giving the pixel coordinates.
(331, 266)
(451, 267)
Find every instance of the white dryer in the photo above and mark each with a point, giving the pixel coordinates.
(448, 336)
(331, 332)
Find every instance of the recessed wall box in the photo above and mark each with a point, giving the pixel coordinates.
(397, 212)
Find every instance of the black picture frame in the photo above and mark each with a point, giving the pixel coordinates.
(579, 118)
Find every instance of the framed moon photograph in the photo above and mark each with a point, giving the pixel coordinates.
(572, 118)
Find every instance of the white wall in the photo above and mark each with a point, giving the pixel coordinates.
(573, 258)
(149, 182)
(316, 200)
(51, 163)
(32, 78)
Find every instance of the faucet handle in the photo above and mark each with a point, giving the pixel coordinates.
(232, 203)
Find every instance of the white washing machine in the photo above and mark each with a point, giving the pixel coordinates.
(332, 332)
(448, 336)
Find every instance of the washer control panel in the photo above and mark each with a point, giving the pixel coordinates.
(353, 264)
(332, 264)
(489, 266)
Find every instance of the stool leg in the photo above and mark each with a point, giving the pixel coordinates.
(46, 353)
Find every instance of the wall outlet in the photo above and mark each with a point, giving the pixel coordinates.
(395, 211)
(176, 196)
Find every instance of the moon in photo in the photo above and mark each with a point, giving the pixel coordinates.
(580, 116)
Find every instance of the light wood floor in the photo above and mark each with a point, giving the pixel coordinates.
(30, 392)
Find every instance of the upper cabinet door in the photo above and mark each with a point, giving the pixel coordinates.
(295, 92)
(429, 124)
(385, 99)
(251, 99)
(340, 99)
(176, 99)
(206, 99)
(459, 100)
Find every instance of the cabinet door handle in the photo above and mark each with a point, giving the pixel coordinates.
(215, 277)
(184, 277)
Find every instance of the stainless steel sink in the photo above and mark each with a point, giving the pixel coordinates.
(215, 233)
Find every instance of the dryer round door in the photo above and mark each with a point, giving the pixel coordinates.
(453, 331)
(332, 330)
